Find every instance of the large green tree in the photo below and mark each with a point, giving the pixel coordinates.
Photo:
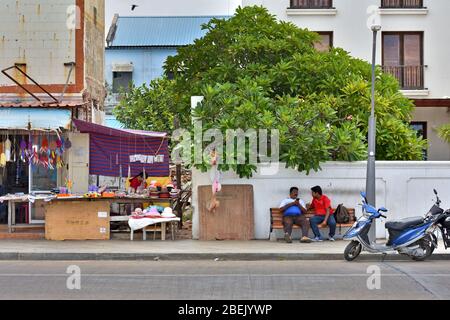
(256, 72)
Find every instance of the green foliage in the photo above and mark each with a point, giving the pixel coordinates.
(444, 132)
(148, 107)
(256, 72)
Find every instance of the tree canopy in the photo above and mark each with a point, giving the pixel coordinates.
(256, 72)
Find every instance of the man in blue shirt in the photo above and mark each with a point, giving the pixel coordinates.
(294, 210)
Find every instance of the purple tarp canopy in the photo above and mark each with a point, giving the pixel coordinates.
(111, 149)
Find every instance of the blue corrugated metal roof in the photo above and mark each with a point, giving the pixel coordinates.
(112, 122)
(159, 31)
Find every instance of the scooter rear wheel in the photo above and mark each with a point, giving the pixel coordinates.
(352, 250)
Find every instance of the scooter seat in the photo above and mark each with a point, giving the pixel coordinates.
(404, 223)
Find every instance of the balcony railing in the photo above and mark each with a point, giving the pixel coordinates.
(311, 4)
(394, 4)
(409, 77)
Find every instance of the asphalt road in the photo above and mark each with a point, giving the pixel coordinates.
(235, 280)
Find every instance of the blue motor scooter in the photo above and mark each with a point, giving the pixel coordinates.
(414, 237)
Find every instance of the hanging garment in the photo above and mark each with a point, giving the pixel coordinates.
(2, 154)
(44, 146)
(128, 181)
(215, 181)
(8, 149)
(52, 149)
(14, 151)
(2, 160)
(23, 148)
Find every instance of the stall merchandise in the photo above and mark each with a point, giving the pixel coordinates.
(45, 149)
(88, 218)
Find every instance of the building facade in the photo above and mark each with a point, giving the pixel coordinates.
(59, 47)
(51, 63)
(137, 48)
(410, 46)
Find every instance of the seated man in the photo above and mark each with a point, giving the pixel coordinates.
(294, 211)
(321, 204)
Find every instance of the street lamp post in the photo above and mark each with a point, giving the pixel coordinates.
(370, 178)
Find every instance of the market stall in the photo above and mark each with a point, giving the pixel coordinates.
(141, 161)
(88, 217)
(33, 151)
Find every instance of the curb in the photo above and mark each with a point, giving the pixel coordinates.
(58, 256)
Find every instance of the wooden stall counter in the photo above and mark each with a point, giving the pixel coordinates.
(77, 219)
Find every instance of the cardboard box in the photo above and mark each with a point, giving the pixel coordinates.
(77, 220)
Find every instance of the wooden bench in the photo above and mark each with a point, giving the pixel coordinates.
(276, 219)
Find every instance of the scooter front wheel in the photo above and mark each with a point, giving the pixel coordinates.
(352, 250)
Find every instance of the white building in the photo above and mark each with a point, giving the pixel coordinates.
(412, 45)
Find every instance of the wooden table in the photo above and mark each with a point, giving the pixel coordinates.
(12, 211)
(125, 200)
(148, 228)
(163, 230)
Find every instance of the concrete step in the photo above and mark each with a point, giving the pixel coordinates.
(22, 236)
(4, 228)
(23, 232)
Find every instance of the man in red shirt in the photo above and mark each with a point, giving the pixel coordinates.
(323, 214)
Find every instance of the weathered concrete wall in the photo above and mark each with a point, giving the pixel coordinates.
(94, 50)
(44, 37)
(405, 188)
(35, 33)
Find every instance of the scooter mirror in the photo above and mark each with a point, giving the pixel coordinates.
(435, 192)
(363, 194)
(383, 209)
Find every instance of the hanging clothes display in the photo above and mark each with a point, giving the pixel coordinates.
(8, 149)
(2, 155)
(215, 180)
(128, 181)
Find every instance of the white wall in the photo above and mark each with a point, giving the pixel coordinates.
(35, 32)
(405, 188)
(351, 33)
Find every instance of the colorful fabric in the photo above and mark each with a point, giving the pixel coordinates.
(112, 148)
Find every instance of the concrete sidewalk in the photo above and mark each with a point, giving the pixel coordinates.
(184, 250)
